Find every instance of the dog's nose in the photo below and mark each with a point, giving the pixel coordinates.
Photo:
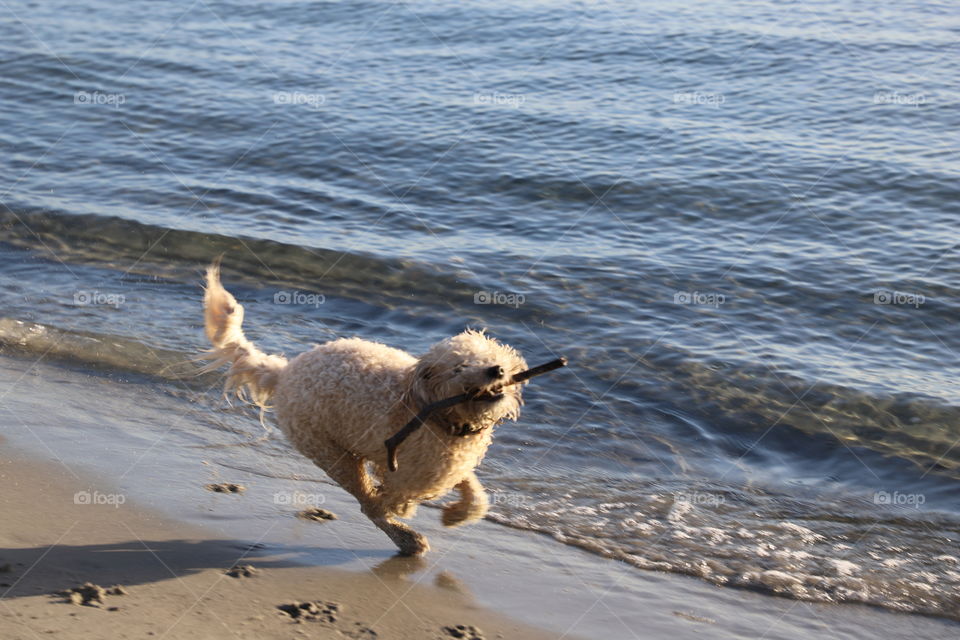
(496, 371)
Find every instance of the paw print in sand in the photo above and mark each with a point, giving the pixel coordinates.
(91, 595)
(242, 571)
(465, 631)
(317, 611)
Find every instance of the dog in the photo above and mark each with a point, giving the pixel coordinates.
(338, 402)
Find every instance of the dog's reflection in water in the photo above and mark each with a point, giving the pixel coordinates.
(401, 567)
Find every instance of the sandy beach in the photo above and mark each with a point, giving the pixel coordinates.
(175, 578)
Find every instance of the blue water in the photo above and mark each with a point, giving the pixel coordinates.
(737, 219)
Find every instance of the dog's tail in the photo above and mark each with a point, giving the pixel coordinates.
(252, 372)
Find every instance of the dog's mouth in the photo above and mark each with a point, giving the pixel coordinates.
(488, 395)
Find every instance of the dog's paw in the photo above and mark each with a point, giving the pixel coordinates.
(416, 546)
(453, 515)
(409, 542)
(457, 514)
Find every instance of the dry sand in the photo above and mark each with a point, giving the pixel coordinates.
(176, 582)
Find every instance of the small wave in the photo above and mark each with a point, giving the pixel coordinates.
(740, 401)
(157, 252)
(103, 352)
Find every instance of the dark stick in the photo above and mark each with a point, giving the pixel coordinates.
(397, 439)
(394, 441)
(536, 371)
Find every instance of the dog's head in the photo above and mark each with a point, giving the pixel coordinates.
(472, 363)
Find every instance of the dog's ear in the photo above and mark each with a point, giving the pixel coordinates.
(424, 384)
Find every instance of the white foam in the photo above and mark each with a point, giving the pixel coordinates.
(807, 536)
(679, 509)
(843, 567)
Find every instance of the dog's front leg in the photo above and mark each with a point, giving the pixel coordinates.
(350, 473)
(471, 506)
(408, 541)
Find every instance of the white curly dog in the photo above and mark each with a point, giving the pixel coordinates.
(340, 401)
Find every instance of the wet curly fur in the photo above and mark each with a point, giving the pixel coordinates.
(338, 402)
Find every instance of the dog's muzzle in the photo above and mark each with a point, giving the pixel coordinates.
(489, 395)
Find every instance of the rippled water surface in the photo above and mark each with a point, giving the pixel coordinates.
(737, 219)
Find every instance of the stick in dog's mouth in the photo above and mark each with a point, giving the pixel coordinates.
(490, 395)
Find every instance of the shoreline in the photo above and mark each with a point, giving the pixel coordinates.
(68, 429)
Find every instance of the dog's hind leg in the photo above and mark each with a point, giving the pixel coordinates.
(471, 506)
(348, 471)
(351, 474)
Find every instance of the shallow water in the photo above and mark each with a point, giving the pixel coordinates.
(738, 220)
